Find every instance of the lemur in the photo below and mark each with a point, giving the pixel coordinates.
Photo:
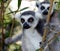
(32, 32)
(43, 8)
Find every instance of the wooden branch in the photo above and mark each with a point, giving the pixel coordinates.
(56, 35)
(8, 3)
(49, 42)
(47, 21)
(2, 20)
(13, 21)
(52, 39)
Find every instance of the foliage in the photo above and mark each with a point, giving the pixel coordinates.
(15, 47)
(57, 2)
(0, 0)
(38, 49)
(19, 3)
(8, 20)
(17, 10)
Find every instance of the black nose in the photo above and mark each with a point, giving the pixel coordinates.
(26, 26)
(45, 12)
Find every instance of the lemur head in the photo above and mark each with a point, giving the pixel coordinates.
(43, 8)
(28, 19)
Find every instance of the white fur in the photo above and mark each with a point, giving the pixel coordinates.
(46, 5)
(38, 15)
(36, 19)
(30, 40)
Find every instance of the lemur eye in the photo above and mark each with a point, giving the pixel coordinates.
(42, 7)
(48, 8)
(22, 20)
(30, 20)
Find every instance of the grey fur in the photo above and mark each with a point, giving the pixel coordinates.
(54, 45)
(28, 13)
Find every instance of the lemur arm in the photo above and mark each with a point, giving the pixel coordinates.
(13, 39)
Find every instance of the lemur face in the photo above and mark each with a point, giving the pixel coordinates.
(28, 20)
(43, 8)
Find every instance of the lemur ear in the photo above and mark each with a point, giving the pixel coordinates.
(37, 3)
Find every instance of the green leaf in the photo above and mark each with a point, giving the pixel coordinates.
(11, 12)
(38, 50)
(18, 10)
(19, 3)
(0, 0)
(7, 34)
(23, 8)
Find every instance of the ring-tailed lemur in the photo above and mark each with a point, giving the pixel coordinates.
(32, 32)
(43, 9)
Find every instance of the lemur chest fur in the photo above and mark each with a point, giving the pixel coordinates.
(32, 38)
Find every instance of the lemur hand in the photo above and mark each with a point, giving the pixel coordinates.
(8, 40)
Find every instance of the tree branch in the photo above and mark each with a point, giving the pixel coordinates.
(2, 18)
(47, 21)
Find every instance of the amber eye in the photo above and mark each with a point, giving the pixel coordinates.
(30, 20)
(48, 8)
(22, 20)
(42, 8)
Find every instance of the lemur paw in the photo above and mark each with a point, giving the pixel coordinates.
(8, 40)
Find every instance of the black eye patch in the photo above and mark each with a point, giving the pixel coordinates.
(30, 20)
(22, 20)
(48, 8)
(42, 8)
